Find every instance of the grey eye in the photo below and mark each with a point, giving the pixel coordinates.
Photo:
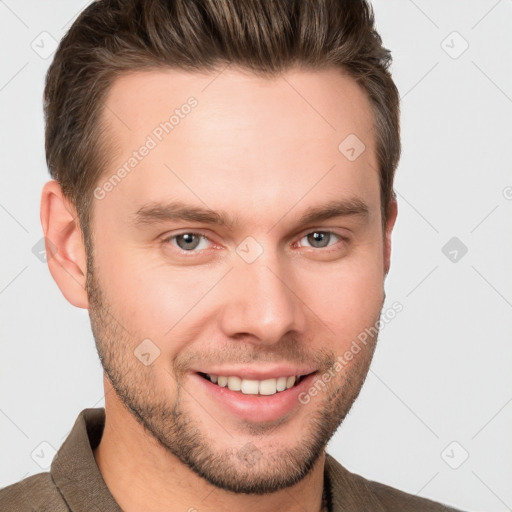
(188, 241)
(319, 239)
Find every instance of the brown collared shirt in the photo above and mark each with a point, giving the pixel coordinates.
(74, 482)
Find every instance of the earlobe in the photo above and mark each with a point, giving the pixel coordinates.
(66, 255)
(390, 223)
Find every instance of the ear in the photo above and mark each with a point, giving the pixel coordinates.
(390, 223)
(65, 251)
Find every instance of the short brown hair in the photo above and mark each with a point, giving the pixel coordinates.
(112, 37)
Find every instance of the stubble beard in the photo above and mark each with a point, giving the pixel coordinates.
(241, 469)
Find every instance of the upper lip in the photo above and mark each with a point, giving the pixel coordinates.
(255, 373)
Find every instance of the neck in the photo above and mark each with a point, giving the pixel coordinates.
(142, 475)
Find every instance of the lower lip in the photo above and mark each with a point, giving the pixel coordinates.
(256, 408)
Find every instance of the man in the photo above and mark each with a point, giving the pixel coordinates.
(222, 204)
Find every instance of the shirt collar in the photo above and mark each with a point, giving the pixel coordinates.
(74, 469)
(348, 492)
(78, 478)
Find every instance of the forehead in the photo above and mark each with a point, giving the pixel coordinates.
(327, 101)
(231, 134)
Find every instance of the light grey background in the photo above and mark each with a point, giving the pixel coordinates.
(440, 387)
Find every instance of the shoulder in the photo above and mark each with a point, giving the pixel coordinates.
(398, 501)
(369, 495)
(36, 492)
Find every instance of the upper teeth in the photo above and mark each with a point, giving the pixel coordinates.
(254, 387)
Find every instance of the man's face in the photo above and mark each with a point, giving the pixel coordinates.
(263, 295)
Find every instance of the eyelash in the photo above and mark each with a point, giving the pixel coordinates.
(195, 252)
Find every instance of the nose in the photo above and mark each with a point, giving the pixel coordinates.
(260, 302)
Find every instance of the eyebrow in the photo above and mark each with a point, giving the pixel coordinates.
(154, 212)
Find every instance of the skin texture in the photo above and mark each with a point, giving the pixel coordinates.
(263, 151)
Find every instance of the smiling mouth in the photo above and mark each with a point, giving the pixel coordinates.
(254, 387)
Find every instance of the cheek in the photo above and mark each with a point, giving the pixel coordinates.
(149, 297)
(347, 297)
